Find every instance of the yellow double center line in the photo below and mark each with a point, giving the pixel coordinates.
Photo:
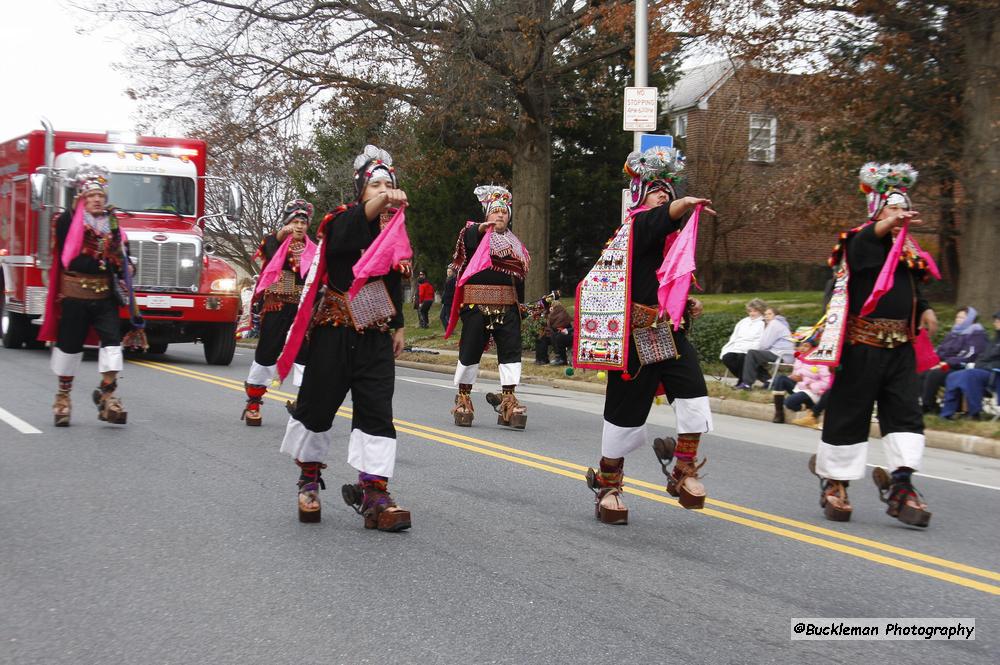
(775, 524)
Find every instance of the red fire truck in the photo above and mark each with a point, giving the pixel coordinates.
(158, 184)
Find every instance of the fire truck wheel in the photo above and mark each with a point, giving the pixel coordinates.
(19, 331)
(220, 344)
(157, 348)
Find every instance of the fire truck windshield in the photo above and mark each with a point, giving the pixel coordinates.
(140, 192)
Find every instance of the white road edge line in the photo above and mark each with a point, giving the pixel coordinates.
(20, 425)
(950, 480)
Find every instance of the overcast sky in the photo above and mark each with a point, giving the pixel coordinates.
(50, 70)
(57, 62)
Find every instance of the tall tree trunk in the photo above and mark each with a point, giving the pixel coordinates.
(532, 185)
(980, 240)
(948, 232)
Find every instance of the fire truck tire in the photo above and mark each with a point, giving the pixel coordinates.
(157, 348)
(220, 344)
(19, 331)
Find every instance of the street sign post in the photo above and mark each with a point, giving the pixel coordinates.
(640, 109)
(647, 141)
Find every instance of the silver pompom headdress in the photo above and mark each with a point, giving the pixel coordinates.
(87, 178)
(373, 164)
(886, 184)
(296, 208)
(492, 197)
(655, 169)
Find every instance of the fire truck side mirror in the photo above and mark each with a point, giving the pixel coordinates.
(39, 182)
(234, 203)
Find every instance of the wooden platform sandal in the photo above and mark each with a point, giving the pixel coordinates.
(905, 503)
(109, 407)
(371, 500)
(607, 488)
(510, 412)
(310, 483)
(463, 411)
(683, 482)
(61, 409)
(255, 398)
(833, 496)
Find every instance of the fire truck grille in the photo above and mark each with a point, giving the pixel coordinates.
(166, 265)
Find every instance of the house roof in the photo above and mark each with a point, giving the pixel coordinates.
(696, 85)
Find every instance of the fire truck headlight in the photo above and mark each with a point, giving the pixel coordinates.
(187, 263)
(226, 284)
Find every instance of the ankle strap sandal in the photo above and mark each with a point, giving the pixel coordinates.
(371, 500)
(510, 412)
(463, 411)
(904, 502)
(310, 483)
(607, 488)
(109, 407)
(833, 496)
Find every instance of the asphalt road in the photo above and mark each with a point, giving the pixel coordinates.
(174, 539)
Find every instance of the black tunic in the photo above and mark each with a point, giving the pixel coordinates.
(649, 231)
(347, 235)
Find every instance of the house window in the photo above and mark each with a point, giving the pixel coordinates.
(763, 137)
(680, 126)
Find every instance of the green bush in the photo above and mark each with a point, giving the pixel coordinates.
(530, 327)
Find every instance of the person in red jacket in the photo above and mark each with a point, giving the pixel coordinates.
(425, 296)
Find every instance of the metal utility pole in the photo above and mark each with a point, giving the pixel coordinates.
(641, 54)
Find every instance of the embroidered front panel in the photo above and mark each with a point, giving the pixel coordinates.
(602, 301)
(831, 340)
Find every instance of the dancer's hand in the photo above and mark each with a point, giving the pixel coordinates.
(695, 308)
(398, 341)
(929, 320)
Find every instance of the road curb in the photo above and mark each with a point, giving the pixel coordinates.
(962, 443)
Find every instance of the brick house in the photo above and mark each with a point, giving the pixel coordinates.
(746, 148)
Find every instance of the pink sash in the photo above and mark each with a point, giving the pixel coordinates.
(676, 272)
(272, 271)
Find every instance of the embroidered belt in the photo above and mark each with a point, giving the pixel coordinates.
(489, 294)
(882, 333)
(371, 309)
(77, 286)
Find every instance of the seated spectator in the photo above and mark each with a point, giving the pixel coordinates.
(958, 348)
(973, 381)
(558, 333)
(775, 344)
(805, 387)
(746, 335)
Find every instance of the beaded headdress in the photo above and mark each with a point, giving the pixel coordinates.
(655, 169)
(372, 165)
(492, 197)
(87, 178)
(886, 184)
